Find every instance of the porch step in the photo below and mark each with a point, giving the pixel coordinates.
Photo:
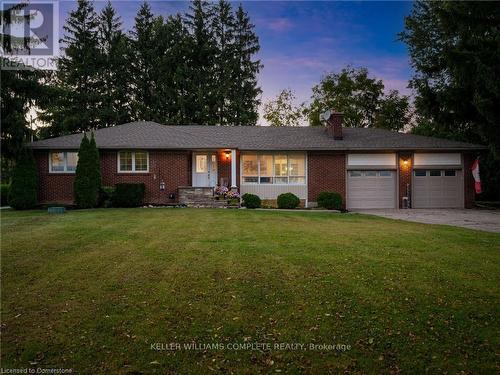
(199, 197)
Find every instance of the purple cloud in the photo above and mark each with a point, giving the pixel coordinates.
(278, 24)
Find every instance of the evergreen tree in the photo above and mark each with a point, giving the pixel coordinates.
(22, 88)
(96, 166)
(88, 177)
(223, 24)
(144, 62)
(23, 189)
(171, 104)
(114, 73)
(245, 89)
(202, 102)
(78, 76)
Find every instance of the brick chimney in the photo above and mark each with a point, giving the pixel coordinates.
(334, 125)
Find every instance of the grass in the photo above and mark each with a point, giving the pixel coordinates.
(92, 290)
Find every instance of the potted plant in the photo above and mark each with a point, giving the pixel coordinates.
(220, 192)
(233, 198)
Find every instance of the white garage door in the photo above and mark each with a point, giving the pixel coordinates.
(436, 188)
(371, 189)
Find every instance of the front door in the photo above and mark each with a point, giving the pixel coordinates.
(204, 169)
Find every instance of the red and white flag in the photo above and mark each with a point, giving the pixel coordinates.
(477, 178)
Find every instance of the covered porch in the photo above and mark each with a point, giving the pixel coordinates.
(211, 172)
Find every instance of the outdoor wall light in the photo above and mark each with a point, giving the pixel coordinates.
(162, 185)
(405, 160)
(228, 154)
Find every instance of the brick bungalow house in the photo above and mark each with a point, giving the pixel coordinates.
(370, 168)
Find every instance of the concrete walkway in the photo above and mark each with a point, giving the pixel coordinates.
(485, 220)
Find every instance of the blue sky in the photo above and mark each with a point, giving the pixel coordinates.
(302, 40)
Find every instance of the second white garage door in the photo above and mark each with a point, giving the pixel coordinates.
(371, 189)
(436, 188)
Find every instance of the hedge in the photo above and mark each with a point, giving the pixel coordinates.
(330, 200)
(128, 195)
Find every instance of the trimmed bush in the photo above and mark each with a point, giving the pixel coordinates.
(251, 200)
(88, 175)
(4, 194)
(128, 195)
(23, 189)
(288, 200)
(330, 200)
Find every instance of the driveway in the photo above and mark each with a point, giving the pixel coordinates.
(472, 219)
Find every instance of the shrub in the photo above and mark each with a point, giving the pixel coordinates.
(330, 200)
(288, 200)
(251, 200)
(106, 196)
(128, 195)
(4, 194)
(23, 189)
(88, 175)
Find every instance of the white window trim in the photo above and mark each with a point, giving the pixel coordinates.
(273, 176)
(133, 162)
(65, 162)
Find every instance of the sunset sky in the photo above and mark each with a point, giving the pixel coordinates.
(301, 41)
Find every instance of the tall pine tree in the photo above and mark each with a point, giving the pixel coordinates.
(143, 62)
(172, 103)
(245, 89)
(78, 75)
(224, 28)
(202, 98)
(115, 106)
(21, 90)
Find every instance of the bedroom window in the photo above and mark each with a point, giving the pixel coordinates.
(133, 161)
(63, 162)
(279, 169)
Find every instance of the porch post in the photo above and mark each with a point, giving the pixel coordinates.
(233, 168)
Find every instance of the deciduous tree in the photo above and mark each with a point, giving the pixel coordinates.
(282, 111)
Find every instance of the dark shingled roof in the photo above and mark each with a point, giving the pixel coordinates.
(151, 135)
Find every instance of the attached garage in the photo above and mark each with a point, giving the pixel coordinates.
(438, 181)
(371, 181)
(437, 188)
(371, 189)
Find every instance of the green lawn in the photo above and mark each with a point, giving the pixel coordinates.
(92, 290)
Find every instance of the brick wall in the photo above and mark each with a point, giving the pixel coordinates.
(469, 191)
(224, 168)
(326, 171)
(173, 167)
(53, 187)
(404, 177)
